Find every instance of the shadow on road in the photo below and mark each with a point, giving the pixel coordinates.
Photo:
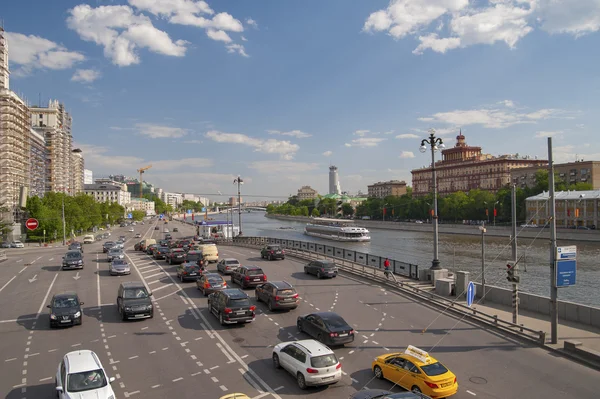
(42, 391)
(51, 268)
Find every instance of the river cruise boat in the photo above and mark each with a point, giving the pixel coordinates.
(336, 229)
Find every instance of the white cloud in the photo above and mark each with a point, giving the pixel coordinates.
(34, 52)
(507, 103)
(243, 39)
(183, 163)
(389, 132)
(155, 131)
(497, 118)
(361, 133)
(237, 48)
(252, 23)
(282, 167)
(407, 136)
(327, 153)
(292, 133)
(406, 154)
(85, 75)
(122, 32)
(572, 17)
(470, 23)
(580, 125)
(544, 134)
(218, 35)
(365, 142)
(285, 149)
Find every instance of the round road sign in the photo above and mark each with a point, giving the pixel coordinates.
(32, 224)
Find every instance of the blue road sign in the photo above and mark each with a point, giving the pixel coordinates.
(162, 215)
(566, 273)
(203, 209)
(129, 216)
(470, 293)
(189, 211)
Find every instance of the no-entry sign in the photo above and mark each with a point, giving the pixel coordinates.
(32, 224)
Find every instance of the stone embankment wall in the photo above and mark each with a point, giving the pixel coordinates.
(492, 231)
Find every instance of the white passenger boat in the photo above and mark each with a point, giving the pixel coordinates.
(336, 229)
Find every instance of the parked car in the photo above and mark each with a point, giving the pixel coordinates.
(119, 267)
(80, 374)
(248, 276)
(272, 252)
(175, 256)
(327, 327)
(210, 282)
(277, 295)
(17, 244)
(188, 271)
(72, 260)
(228, 265)
(133, 301)
(89, 239)
(231, 306)
(309, 361)
(65, 310)
(321, 268)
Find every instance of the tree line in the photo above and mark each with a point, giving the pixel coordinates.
(475, 205)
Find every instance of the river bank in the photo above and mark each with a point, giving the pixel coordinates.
(471, 230)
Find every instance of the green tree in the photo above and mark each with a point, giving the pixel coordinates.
(347, 209)
(138, 215)
(315, 213)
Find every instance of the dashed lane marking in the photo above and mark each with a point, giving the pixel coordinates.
(223, 388)
(155, 386)
(22, 270)
(46, 379)
(178, 379)
(471, 393)
(165, 296)
(160, 288)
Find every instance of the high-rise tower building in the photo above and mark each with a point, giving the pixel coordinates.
(334, 181)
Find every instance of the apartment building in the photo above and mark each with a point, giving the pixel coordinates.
(54, 124)
(307, 192)
(142, 204)
(173, 199)
(77, 171)
(464, 168)
(384, 189)
(108, 193)
(88, 176)
(570, 173)
(38, 164)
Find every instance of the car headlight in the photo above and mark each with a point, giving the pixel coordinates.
(80, 262)
(78, 314)
(149, 307)
(127, 308)
(53, 317)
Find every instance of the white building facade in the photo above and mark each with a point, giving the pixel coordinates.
(142, 204)
(88, 176)
(173, 199)
(109, 193)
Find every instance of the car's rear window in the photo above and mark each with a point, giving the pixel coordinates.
(287, 291)
(434, 369)
(192, 267)
(232, 262)
(215, 280)
(255, 272)
(239, 302)
(324, 361)
(328, 265)
(335, 322)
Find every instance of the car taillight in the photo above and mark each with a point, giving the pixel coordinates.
(264, 277)
(351, 332)
(272, 252)
(333, 334)
(217, 254)
(184, 272)
(226, 310)
(312, 371)
(430, 384)
(224, 284)
(252, 308)
(206, 284)
(247, 278)
(295, 296)
(455, 380)
(339, 366)
(277, 298)
(283, 251)
(322, 269)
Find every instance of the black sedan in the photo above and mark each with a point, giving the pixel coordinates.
(65, 310)
(327, 327)
(382, 394)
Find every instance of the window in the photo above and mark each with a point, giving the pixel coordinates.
(239, 302)
(85, 381)
(324, 361)
(135, 293)
(434, 369)
(408, 365)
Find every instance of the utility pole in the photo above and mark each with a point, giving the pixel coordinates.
(64, 222)
(239, 182)
(515, 285)
(482, 228)
(553, 288)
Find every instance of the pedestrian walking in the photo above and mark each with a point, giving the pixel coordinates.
(386, 268)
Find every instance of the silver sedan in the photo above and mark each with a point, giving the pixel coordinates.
(115, 254)
(119, 267)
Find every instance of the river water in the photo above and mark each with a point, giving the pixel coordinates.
(457, 253)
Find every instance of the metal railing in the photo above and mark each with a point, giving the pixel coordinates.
(341, 254)
(369, 266)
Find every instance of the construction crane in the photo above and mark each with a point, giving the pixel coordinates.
(141, 172)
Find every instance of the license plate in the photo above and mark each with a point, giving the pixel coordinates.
(241, 312)
(343, 335)
(193, 274)
(256, 279)
(139, 315)
(180, 256)
(328, 378)
(65, 321)
(446, 384)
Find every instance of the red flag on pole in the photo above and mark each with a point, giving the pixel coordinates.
(383, 211)
(192, 217)
(495, 212)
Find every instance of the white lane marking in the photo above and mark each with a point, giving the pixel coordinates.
(214, 334)
(472, 393)
(223, 388)
(22, 270)
(15, 320)
(160, 288)
(98, 282)
(214, 367)
(145, 267)
(75, 345)
(11, 359)
(47, 294)
(156, 274)
(195, 374)
(214, 379)
(9, 281)
(19, 261)
(354, 380)
(250, 380)
(152, 282)
(262, 395)
(51, 259)
(46, 379)
(155, 386)
(165, 296)
(278, 388)
(178, 379)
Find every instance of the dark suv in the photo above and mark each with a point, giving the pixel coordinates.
(321, 268)
(133, 301)
(65, 310)
(272, 252)
(73, 260)
(160, 252)
(231, 306)
(277, 295)
(175, 256)
(248, 276)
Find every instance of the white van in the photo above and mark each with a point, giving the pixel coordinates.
(210, 252)
(89, 239)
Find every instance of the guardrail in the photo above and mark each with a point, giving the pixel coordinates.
(2, 256)
(375, 273)
(354, 257)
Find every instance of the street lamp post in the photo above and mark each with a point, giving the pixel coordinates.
(483, 231)
(238, 180)
(435, 144)
(495, 203)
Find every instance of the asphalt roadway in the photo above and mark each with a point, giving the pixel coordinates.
(184, 353)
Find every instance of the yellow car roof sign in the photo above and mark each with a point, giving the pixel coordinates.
(417, 353)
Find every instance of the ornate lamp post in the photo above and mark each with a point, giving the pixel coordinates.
(239, 182)
(435, 144)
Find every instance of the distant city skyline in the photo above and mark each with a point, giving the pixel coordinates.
(259, 92)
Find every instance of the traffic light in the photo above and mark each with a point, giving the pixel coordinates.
(512, 274)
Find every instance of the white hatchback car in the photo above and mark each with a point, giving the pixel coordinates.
(81, 374)
(311, 362)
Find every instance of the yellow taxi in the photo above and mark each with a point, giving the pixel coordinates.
(235, 396)
(416, 371)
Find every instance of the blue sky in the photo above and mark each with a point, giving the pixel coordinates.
(276, 91)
